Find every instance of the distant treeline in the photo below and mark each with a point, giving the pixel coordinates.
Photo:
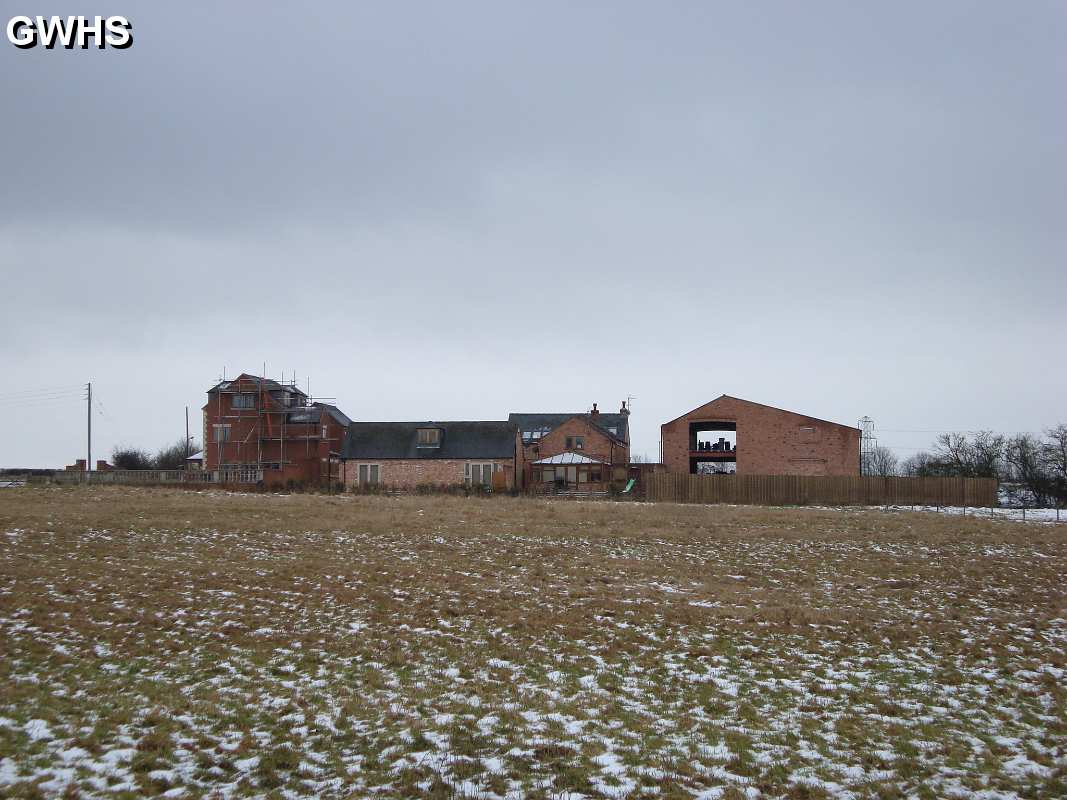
(1036, 465)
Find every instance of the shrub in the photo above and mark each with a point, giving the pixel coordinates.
(130, 458)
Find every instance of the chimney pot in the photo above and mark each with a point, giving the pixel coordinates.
(595, 412)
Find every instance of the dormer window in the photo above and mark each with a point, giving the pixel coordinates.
(429, 437)
(530, 436)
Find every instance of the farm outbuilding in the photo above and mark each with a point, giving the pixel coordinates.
(730, 435)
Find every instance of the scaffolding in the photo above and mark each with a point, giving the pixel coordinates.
(274, 402)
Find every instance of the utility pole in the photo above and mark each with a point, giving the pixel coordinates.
(88, 430)
(187, 453)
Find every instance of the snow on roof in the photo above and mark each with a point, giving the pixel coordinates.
(196, 456)
(568, 458)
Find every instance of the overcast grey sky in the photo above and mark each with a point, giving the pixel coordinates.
(455, 211)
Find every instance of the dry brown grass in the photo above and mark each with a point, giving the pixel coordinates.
(504, 646)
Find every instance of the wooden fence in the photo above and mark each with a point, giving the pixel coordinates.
(797, 490)
(242, 475)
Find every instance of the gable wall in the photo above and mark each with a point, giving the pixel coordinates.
(770, 441)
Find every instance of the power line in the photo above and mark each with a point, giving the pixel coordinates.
(45, 390)
(42, 401)
(950, 430)
(42, 395)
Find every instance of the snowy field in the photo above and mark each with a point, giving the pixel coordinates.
(160, 642)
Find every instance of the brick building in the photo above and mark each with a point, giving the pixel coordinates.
(573, 451)
(404, 455)
(732, 435)
(254, 423)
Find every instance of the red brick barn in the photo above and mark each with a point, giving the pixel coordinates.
(405, 455)
(573, 451)
(733, 435)
(254, 424)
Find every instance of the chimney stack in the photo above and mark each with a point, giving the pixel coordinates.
(624, 409)
(595, 412)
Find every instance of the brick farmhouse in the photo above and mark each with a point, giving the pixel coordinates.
(254, 422)
(581, 451)
(405, 455)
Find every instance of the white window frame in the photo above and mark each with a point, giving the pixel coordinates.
(468, 472)
(368, 466)
(216, 428)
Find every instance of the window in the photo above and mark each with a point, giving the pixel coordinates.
(283, 398)
(479, 474)
(244, 401)
(370, 474)
(575, 442)
(324, 432)
(548, 475)
(613, 431)
(221, 433)
(533, 435)
(429, 437)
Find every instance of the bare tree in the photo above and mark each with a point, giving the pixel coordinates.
(880, 461)
(1054, 456)
(1025, 458)
(920, 465)
(979, 457)
(172, 456)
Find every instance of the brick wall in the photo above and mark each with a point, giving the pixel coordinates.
(408, 473)
(770, 441)
(597, 444)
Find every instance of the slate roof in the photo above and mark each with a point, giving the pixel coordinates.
(370, 440)
(529, 422)
(267, 384)
(313, 413)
